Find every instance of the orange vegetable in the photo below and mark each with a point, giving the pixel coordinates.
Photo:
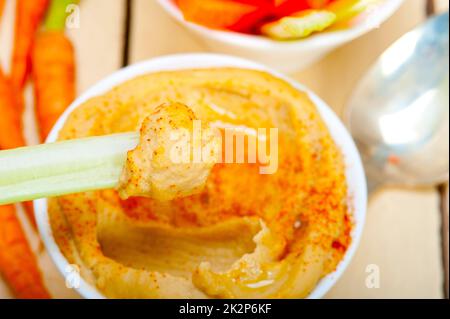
(53, 61)
(18, 264)
(11, 125)
(243, 15)
(10, 119)
(287, 7)
(223, 14)
(319, 4)
(2, 5)
(29, 14)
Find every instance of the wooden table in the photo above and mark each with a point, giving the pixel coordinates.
(402, 237)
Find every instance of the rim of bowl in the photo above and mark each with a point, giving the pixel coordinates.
(372, 21)
(354, 170)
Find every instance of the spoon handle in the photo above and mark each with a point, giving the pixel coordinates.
(61, 168)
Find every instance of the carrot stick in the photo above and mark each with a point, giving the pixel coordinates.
(2, 5)
(10, 119)
(18, 265)
(53, 76)
(11, 126)
(28, 16)
(53, 62)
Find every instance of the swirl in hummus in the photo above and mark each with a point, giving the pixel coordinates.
(245, 234)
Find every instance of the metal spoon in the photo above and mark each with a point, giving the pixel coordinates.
(399, 113)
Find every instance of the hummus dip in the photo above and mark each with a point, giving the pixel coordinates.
(244, 234)
(156, 167)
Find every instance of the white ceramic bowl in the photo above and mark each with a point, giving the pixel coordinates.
(354, 171)
(284, 56)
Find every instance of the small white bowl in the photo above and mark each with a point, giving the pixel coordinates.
(289, 56)
(354, 170)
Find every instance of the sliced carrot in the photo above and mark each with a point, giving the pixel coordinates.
(319, 4)
(29, 14)
(222, 14)
(250, 23)
(18, 265)
(53, 62)
(256, 2)
(287, 7)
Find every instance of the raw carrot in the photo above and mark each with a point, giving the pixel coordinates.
(2, 5)
(29, 13)
(287, 7)
(10, 119)
(223, 14)
(11, 126)
(53, 76)
(18, 265)
(53, 64)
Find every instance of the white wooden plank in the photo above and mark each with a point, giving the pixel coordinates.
(401, 237)
(441, 5)
(98, 40)
(154, 33)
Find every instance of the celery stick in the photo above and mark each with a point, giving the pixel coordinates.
(299, 25)
(61, 168)
(348, 9)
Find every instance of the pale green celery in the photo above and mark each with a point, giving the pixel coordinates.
(61, 168)
(300, 25)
